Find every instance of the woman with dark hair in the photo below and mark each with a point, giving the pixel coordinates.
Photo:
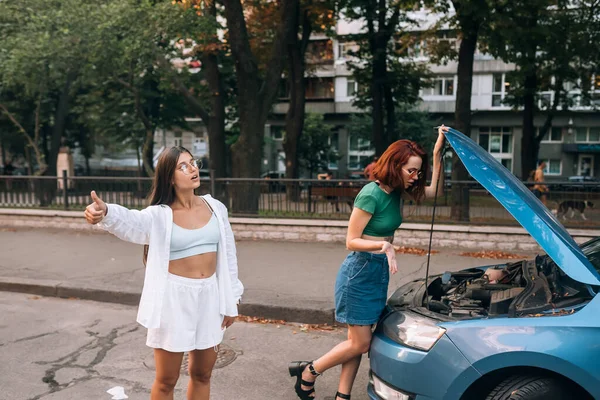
(191, 287)
(362, 281)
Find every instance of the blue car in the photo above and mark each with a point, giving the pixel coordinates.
(526, 330)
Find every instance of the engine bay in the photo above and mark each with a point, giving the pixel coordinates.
(522, 288)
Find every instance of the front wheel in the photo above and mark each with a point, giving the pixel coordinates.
(529, 388)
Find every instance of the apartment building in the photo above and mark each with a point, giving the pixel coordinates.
(572, 146)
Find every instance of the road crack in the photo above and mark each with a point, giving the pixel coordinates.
(102, 344)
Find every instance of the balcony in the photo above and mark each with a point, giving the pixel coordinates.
(314, 106)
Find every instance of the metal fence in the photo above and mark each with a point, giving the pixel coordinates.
(292, 198)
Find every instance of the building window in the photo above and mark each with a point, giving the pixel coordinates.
(319, 88)
(554, 134)
(360, 152)
(585, 165)
(442, 86)
(277, 132)
(199, 147)
(587, 135)
(177, 142)
(448, 38)
(553, 167)
(411, 46)
(498, 141)
(500, 88)
(345, 50)
(351, 88)
(319, 52)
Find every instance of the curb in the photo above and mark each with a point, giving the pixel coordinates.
(50, 288)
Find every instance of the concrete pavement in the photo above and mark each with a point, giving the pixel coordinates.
(283, 280)
(58, 349)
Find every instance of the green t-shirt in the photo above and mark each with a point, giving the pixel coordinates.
(385, 208)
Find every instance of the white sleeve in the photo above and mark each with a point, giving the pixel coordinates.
(236, 285)
(129, 225)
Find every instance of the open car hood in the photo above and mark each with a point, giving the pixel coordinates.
(519, 201)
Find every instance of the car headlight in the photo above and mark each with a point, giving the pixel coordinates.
(412, 330)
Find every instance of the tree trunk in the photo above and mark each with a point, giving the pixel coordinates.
(216, 124)
(2, 148)
(529, 145)
(46, 190)
(255, 96)
(247, 155)
(45, 149)
(462, 118)
(60, 119)
(390, 114)
(216, 119)
(378, 94)
(138, 155)
(148, 152)
(294, 119)
(88, 169)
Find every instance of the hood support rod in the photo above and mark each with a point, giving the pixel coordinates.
(445, 148)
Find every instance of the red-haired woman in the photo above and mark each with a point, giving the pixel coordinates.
(362, 281)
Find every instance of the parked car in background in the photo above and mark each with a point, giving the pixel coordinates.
(275, 185)
(583, 183)
(525, 330)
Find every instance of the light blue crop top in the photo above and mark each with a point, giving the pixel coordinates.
(191, 242)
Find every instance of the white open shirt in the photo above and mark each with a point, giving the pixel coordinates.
(152, 226)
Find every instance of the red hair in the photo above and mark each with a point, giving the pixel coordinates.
(388, 169)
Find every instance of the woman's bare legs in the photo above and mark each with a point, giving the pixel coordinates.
(201, 367)
(167, 372)
(348, 354)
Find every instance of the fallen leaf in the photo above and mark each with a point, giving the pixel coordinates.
(414, 251)
(35, 298)
(493, 254)
(279, 323)
(259, 320)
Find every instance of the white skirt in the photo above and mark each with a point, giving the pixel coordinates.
(190, 318)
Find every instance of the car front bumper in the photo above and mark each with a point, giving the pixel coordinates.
(402, 373)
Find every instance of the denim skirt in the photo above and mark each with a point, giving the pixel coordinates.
(361, 288)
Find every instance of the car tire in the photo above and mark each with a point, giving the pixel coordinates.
(529, 388)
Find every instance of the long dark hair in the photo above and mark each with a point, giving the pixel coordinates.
(388, 169)
(163, 190)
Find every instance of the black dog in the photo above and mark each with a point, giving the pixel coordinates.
(573, 205)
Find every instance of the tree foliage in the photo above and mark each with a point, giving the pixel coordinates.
(560, 53)
(315, 151)
(384, 80)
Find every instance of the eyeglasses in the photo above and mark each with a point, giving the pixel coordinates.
(186, 168)
(416, 172)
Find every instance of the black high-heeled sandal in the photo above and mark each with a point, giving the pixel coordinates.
(342, 396)
(296, 369)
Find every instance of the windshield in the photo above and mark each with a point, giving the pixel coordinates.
(591, 249)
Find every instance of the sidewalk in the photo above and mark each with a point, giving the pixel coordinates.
(283, 280)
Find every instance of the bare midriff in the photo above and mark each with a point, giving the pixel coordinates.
(378, 239)
(196, 267)
(389, 239)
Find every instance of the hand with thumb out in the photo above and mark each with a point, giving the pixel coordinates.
(96, 211)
